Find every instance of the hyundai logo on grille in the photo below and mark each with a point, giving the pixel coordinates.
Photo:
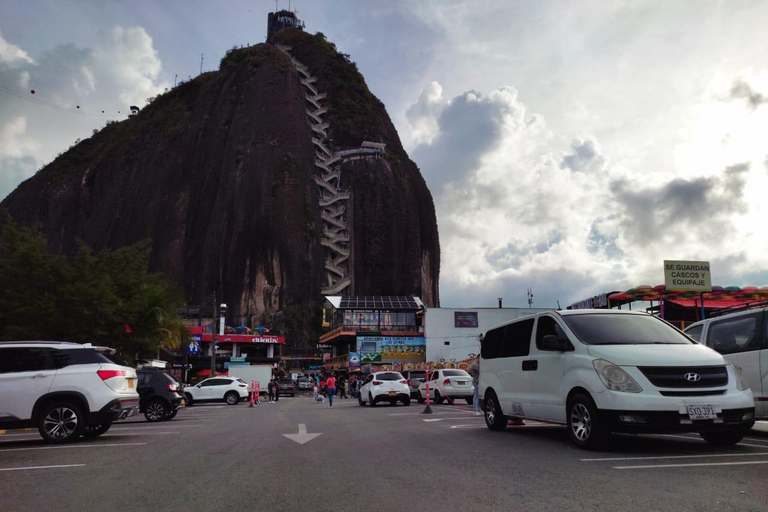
(692, 377)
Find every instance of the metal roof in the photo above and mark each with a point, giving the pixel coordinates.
(376, 302)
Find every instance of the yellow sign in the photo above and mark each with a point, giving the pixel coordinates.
(687, 276)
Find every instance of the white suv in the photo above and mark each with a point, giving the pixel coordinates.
(603, 371)
(384, 387)
(229, 389)
(64, 389)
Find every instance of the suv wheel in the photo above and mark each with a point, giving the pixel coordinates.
(188, 399)
(494, 418)
(156, 411)
(723, 438)
(360, 400)
(232, 398)
(420, 398)
(60, 422)
(438, 398)
(370, 399)
(95, 430)
(583, 423)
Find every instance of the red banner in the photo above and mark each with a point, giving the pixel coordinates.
(244, 338)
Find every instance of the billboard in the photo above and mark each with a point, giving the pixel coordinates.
(465, 319)
(391, 349)
(688, 276)
(354, 359)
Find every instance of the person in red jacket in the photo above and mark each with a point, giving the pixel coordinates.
(331, 387)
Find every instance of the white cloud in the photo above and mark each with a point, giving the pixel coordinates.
(12, 54)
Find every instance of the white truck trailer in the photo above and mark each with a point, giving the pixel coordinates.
(258, 372)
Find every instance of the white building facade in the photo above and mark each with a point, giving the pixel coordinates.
(451, 334)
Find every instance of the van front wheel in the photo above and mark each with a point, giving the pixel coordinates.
(493, 415)
(584, 423)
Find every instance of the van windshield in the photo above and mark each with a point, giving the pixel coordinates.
(618, 329)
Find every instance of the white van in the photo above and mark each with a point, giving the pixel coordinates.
(741, 338)
(603, 371)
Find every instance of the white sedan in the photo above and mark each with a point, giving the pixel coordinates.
(229, 389)
(449, 384)
(384, 387)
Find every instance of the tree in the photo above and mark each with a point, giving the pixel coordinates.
(107, 299)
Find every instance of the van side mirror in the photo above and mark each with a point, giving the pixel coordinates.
(552, 342)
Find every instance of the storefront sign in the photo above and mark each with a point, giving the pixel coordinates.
(244, 338)
(691, 276)
(465, 319)
(383, 349)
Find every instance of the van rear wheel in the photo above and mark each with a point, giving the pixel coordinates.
(584, 424)
(493, 415)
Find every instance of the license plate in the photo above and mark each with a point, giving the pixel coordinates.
(130, 383)
(393, 393)
(460, 383)
(702, 412)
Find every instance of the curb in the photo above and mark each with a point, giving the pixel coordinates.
(17, 430)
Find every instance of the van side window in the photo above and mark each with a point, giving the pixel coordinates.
(546, 326)
(695, 332)
(492, 341)
(517, 339)
(741, 334)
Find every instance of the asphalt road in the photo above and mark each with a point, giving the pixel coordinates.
(232, 458)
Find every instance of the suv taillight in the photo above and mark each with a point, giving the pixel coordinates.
(446, 382)
(173, 387)
(108, 374)
(406, 381)
(377, 383)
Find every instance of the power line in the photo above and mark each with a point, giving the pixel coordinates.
(55, 106)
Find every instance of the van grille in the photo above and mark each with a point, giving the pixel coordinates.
(674, 377)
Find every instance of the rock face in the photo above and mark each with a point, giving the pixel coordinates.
(220, 174)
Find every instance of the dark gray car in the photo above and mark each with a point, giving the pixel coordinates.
(414, 378)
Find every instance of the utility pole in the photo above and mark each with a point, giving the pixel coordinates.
(174, 80)
(213, 342)
(201, 63)
(530, 297)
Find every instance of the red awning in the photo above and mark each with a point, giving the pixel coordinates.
(207, 373)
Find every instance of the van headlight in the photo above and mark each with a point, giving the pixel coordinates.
(614, 377)
(741, 384)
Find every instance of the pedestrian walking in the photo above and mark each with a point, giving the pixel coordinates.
(330, 383)
(271, 390)
(344, 389)
(277, 390)
(474, 371)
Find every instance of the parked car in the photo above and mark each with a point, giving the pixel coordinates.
(384, 387)
(450, 383)
(285, 387)
(228, 389)
(64, 389)
(305, 383)
(414, 378)
(741, 338)
(159, 394)
(603, 371)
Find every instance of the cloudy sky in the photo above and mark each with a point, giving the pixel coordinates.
(570, 146)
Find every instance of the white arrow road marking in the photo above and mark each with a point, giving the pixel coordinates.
(302, 437)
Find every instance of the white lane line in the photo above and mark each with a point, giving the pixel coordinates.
(698, 439)
(143, 434)
(70, 446)
(468, 426)
(116, 427)
(701, 464)
(678, 457)
(462, 418)
(756, 439)
(44, 467)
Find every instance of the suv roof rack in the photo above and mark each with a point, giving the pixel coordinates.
(42, 342)
(739, 308)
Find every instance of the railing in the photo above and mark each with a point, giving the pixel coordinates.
(337, 362)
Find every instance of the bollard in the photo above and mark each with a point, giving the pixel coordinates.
(427, 409)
